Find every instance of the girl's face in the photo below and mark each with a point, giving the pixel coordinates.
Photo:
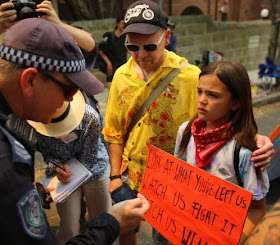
(214, 102)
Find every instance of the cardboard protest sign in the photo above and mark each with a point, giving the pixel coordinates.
(191, 206)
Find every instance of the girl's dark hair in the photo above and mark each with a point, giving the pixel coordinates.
(236, 78)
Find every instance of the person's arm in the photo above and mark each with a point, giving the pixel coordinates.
(255, 214)
(267, 231)
(83, 38)
(102, 230)
(107, 61)
(262, 156)
(7, 17)
(115, 153)
(122, 217)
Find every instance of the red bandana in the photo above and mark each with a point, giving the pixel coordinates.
(208, 142)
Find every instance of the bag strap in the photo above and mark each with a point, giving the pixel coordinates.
(236, 163)
(154, 94)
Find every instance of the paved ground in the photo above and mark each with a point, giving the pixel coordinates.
(261, 109)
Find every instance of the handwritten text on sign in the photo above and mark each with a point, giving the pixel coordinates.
(191, 206)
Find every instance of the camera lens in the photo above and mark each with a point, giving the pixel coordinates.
(27, 12)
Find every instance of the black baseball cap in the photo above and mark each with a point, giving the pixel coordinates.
(144, 17)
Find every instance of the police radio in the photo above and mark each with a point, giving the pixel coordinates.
(21, 130)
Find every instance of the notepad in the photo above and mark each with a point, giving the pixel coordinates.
(80, 174)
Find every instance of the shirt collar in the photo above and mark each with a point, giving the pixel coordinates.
(171, 61)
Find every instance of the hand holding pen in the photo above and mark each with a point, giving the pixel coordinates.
(63, 173)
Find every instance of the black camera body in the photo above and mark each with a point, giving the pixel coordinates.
(25, 9)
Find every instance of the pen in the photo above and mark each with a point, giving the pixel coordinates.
(57, 165)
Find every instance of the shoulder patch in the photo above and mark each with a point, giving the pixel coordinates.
(20, 154)
(31, 214)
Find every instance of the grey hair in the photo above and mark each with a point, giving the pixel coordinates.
(6, 67)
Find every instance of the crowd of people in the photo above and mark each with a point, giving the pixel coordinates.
(45, 81)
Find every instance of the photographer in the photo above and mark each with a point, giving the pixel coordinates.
(7, 16)
(45, 10)
(26, 92)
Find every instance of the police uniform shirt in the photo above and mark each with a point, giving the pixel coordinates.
(22, 219)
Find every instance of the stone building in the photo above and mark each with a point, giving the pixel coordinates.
(220, 10)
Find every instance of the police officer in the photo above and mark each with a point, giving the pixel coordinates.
(31, 49)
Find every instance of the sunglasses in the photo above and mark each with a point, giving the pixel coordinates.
(148, 47)
(67, 90)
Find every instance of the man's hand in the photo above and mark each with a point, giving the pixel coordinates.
(63, 176)
(262, 156)
(7, 17)
(114, 184)
(130, 213)
(46, 7)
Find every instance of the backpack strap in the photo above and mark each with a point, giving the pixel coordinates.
(236, 163)
(153, 96)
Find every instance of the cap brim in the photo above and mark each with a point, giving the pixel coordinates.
(86, 81)
(141, 28)
(68, 124)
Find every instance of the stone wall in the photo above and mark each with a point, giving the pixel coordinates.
(245, 42)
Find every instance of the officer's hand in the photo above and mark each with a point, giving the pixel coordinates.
(114, 184)
(63, 176)
(262, 156)
(49, 197)
(130, 213)
(46, 7)
(7, 17)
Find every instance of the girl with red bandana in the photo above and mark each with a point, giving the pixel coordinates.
(225, 119)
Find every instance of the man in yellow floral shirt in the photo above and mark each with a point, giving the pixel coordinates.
(146, 37)
(132, 84)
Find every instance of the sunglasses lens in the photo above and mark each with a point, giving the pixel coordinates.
(72, 92)
(132, 48)
(150, 47)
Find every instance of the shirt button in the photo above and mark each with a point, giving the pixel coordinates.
(139, 124)
(129, 159)
(132, 143)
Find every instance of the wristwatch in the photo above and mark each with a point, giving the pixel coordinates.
(112, 177)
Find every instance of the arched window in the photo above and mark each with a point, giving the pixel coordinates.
(192, 10)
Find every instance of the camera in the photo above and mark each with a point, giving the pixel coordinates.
(25, 9)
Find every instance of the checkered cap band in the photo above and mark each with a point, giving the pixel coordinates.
(41, 62)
